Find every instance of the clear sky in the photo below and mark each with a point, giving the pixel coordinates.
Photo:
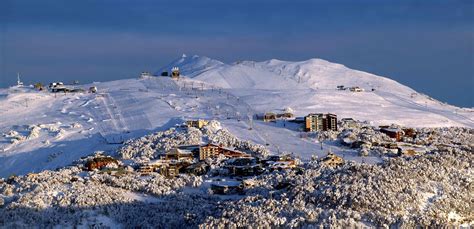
(427, 45)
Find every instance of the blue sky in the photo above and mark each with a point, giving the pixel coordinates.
(427, 45)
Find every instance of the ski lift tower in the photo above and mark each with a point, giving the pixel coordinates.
(18, 81)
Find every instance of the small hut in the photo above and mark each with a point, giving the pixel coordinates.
(175, 73)
(93, 89)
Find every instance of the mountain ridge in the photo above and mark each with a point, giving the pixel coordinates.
(313, 73)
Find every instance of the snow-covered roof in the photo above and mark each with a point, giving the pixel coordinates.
(229, 183)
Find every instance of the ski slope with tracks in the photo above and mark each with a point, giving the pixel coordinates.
(69, 126)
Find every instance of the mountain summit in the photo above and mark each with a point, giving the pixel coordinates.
(191, 66)
(278, 74)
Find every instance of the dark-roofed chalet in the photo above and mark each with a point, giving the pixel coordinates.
(394, 133)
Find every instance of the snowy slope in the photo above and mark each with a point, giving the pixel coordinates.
(282, 75)
(321, 74)
(310, 86)
(74, 125)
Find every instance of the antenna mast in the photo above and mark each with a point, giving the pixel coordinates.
(18, 81)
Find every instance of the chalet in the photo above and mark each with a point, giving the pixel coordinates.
(170, 170)
(175, 73)
(93, 89)
(332, 160)
(409, 132)
(39, 86)
(271, 116)
(227, 187)
(199, 123)
(179, 155)
(197, 169)
(243, 167)
(356, 89)
(55, 84)
(77, 90)
(393, 133)
(144, 75)
(100, 163)
(58, 87)
(286, 115)
(281, 165)
(152, 166)
(280, 162)
(389, 145)
(146, 169)
(318, 122)
(165, 73)
(194, 149)
(358, 144)
(209, 150)
(411, 150)
(233, 153)
(212, 150)
(407, 152)
(349, 122)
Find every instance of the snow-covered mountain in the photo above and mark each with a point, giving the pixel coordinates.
(41, 130)
(310, 86)
(277, 74)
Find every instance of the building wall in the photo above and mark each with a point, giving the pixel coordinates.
(196, 123)
(317, 122)
(314, 122)
(392, 134)
(208, 151)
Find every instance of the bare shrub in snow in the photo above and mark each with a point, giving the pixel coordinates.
(34, 132)
(388, 194)
(150, 146)
(157, 143)
(434, 189)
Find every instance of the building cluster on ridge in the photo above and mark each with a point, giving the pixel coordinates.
(175, 73)
(311, 122)
(234, 167)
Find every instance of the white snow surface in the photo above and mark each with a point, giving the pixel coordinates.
(69, 126)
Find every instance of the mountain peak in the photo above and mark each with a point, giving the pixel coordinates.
(191, 66)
